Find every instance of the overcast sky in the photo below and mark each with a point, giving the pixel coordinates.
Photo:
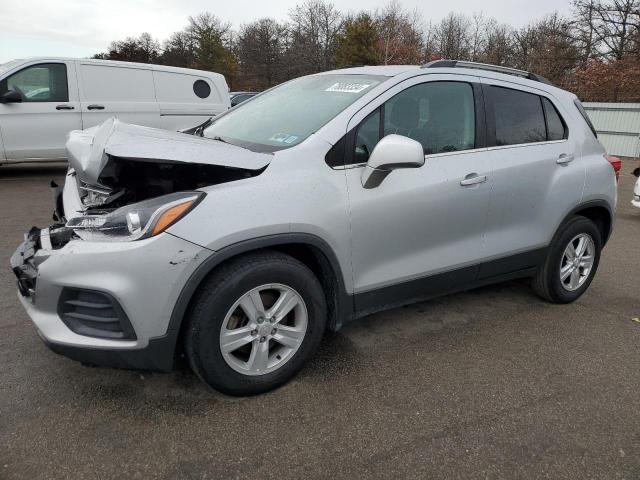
(80, 28)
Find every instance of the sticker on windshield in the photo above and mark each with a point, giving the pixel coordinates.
(348, 87)
(283, 138)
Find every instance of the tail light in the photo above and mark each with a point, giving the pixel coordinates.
(616, 164)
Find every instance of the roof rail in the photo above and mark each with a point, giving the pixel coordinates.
(486, 66)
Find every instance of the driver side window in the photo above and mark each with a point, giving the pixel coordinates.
(440, 115)
(45, 82)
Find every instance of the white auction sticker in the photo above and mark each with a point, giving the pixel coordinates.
(348, 87)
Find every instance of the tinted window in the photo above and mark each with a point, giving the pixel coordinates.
(440, 115)
(518, 117)
(555, 126)
(201, 88)
(46, 82)
(241, 98)
(367, 137)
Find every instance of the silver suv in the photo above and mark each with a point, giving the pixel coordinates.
(319, 201)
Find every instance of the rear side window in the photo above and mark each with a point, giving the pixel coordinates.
(44, 82)
(556, 129)
(585, 116)
(518, 117)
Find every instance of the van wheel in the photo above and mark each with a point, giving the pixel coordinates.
(254, 323)
(571, 263)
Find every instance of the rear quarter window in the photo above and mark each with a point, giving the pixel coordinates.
(556, 128)
(586, 118)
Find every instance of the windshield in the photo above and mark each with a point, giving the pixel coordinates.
(286, 115)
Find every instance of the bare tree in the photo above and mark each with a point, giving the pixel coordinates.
(583, 28)
(617, 24)
(400, 35)
(261, 48)
(314, 28)
(498, 48)
(453, 35)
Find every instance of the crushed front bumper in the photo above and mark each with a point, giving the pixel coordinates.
(143, 278)
(22, 263)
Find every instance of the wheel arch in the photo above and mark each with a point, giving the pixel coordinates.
(311, 250)
(599, 212)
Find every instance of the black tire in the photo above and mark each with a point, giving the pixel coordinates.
(218, 294)
(547, 282)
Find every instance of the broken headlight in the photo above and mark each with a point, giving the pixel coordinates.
(136, 221)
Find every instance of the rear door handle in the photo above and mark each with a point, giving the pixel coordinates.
(565, 158)
(95, 107)
(65, 107)
(473, 179)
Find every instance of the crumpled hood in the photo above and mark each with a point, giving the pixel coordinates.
(88, 150)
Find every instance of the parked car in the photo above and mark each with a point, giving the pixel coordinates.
(322, 200)
(43, 99)
(636, 194)
(239, 97)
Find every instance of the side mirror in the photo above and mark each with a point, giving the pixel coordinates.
(391, 153)
(10, 96)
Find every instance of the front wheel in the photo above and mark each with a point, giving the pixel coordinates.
(571, 263)
(254, 323)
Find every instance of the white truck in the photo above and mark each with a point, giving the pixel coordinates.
(43, 99)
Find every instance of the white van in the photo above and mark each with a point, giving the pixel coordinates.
(43, 99)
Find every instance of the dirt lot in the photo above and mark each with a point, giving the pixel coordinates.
(492, 383)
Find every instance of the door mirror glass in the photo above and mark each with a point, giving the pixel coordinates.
(391, 153)
(10, 97)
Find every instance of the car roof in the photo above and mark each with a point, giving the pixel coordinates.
(412, 70)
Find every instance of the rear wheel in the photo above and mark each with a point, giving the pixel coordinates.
(254, 323)
(571, 263)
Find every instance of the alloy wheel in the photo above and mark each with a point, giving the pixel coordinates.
(263, 329)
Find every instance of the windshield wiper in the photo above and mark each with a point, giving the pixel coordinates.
(219, 139)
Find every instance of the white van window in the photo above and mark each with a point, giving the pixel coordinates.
(118, 84)
(201, 88)
(44, 82)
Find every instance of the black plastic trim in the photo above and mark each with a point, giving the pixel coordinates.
(156, 356)
(592, 204)
(344, 303)
(507, 268)
(97, 326)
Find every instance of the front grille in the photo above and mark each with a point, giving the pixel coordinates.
(94, 314)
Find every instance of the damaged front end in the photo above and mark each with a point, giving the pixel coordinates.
(128, 183)
(123, 178)
(117, 164)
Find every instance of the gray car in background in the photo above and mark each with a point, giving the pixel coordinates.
(320, 201)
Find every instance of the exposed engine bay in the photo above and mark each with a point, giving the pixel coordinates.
(127, 182)
(124, 181)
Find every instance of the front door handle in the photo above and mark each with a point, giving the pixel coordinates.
(473, 179)
(565, 158)
(95, 107)
(65, 107)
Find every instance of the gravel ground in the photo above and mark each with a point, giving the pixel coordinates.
(492, 383)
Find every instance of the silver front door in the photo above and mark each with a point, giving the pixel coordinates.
(425, 221)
